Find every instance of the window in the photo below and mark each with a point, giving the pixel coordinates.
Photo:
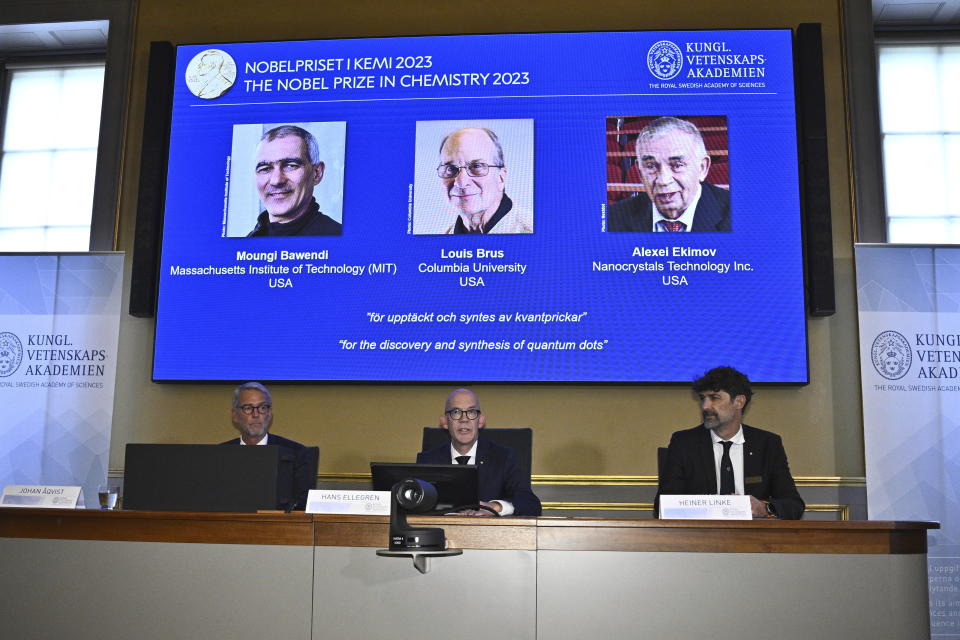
(49, 154)
(920, 126)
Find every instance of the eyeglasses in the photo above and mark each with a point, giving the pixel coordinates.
(475, 169)
(456, 414)
(250, 409)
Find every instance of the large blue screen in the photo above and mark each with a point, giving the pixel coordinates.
(526, 207)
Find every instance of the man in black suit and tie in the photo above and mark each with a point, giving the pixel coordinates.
(503, 487)
(673, 164)
(723, 456)
(252, 414)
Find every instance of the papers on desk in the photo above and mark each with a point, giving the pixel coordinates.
(705, 508)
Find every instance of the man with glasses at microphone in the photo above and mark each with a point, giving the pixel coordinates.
(252, 414)
(473, 175)
(503, 487)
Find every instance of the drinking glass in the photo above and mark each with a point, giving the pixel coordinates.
(108, 496)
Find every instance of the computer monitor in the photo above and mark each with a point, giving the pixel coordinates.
(202, 477)
(457, 484)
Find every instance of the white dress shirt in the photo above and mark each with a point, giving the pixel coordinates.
(736, 457)
(686, 217)
(454, 454)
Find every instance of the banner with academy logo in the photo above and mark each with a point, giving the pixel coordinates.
(59, 325)
(713, 63)
(909, 309)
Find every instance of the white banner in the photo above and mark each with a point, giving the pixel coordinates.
(909, 303)
(59, 325)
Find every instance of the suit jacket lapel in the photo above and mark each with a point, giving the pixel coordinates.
(646, 214)
(752, 460)
(482, 452)
(708, 211)
(707, 462)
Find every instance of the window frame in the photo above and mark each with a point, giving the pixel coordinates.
(874, 225)
(120, 15)
(11, 63)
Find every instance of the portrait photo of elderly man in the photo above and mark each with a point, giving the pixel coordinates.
(474, 177)
(286, 180)
(671, 165)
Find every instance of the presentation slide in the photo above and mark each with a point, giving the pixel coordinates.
(557, 207)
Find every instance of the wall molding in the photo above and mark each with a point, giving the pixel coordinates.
(585, 480)
(605, 480)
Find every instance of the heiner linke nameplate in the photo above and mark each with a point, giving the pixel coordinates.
(363, 503)
(705, 508)
(41, 497)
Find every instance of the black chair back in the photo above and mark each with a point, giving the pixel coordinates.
(661, 464)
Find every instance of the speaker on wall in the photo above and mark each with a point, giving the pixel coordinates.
(814, 171)
(153, 177)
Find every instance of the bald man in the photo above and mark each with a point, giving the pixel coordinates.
(503, 487)
(473, 177)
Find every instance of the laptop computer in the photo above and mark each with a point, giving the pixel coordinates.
(202, 477)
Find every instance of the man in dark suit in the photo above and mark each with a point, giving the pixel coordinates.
(252, 414)
(503, 487)
(673, 164)
(723, 456)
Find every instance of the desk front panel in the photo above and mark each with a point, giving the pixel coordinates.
(96, 590)
(735, 596)
(475, 596)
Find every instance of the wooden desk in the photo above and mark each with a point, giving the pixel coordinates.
(93, 574)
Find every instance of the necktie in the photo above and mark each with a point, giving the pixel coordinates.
(727, 485)
(673, 225)
(463, 459)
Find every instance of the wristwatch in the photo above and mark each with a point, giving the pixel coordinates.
(771, 512)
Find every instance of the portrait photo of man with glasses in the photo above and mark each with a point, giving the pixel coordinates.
(474, 177)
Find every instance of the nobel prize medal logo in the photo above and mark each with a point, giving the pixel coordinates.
(210, 74)
(664, 59)
(891, 355)
(11, 354)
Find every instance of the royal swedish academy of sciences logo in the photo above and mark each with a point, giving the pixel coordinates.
(11, 354)
(891, 355)
(664, 59)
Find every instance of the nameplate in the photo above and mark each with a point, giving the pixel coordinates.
(363, 503)
(705, 508)
(41, 497)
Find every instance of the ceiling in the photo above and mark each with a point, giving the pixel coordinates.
(90, 36)
(54, 37)
(916, 13)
